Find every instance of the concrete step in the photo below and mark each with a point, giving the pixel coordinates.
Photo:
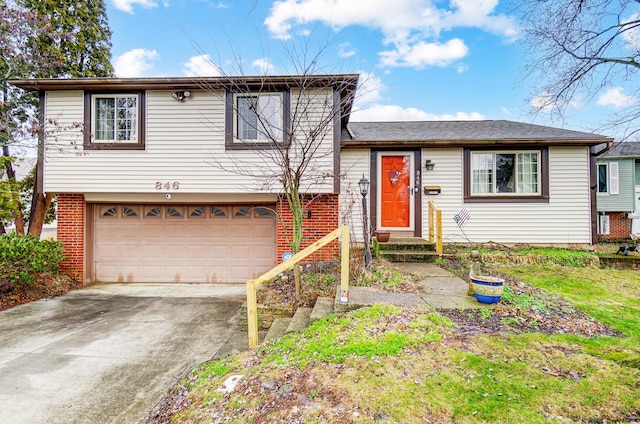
(404, 244)
(323, 308)
(300, 320)
(277, 329)
(407, 256)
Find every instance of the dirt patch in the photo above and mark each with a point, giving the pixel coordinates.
(321, 279)
(47, 285)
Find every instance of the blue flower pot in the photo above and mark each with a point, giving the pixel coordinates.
(487, 289)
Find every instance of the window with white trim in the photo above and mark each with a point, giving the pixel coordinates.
(495, 173)
(259, 117)
(256, 120)
(116, 120)
(608, 181)
(603, 224)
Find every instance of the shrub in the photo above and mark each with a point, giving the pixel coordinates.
(21, 257)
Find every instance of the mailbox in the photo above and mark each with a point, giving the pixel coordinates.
(432, 190)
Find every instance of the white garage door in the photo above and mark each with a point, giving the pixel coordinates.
(180, 243)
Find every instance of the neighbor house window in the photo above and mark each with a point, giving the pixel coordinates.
(603, 224)
(506, 174)
(116, 120)
(608, 178)
(256, 120)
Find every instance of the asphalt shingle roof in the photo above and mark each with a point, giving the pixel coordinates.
(624, 149)
(461, 131)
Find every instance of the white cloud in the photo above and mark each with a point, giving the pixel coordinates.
(422, 54)
(201, 66)
(135, 63)
(544, 102)
(461, 67)
(370, 88)
(127, 5)
(632, 34)
(411, 26)
(264, 66)
(346, 51)
(385, 113)
(616, 98)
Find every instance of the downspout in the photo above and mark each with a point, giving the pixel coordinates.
(593, 185)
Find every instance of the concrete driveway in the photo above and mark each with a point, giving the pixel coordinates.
(108, 353)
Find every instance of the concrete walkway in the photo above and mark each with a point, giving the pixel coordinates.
(441, 289)
(108, 353)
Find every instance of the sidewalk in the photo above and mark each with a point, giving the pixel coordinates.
(441, 290)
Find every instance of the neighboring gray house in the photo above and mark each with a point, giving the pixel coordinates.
(619, 191)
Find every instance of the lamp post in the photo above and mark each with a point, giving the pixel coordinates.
(364, 189)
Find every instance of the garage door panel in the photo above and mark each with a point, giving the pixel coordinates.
(196, 245)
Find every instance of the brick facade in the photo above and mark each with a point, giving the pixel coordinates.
(71, 221)
(324, 219)
(619, 226)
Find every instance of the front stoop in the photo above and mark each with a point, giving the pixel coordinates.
(409, 249)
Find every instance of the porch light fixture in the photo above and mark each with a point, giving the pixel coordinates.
(364, 189)
(364, 185)
(180, 95)
(428, 165)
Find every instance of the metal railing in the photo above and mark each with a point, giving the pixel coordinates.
(252, 285)
(435, 226)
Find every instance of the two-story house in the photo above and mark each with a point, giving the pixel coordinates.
(178, 179)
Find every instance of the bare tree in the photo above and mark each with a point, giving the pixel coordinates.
(577, 48)
(290, 125)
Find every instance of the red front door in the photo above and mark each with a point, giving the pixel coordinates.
(395, 185)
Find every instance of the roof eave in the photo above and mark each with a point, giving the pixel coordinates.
(343, 81)
(473, 143)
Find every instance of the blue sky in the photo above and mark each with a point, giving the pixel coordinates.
(419, 59)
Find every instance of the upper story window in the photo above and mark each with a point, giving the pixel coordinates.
(506, 175)
(116, 120)
(608, 178)
(256, 120)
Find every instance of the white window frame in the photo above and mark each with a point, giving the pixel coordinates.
(604, 226)
(266, 131)
(134, 130)
(612, 178)
(492, 174)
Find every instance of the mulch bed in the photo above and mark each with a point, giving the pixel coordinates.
(47, 285)
(558, 317)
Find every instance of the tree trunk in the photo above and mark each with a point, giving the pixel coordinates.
(42, 205)
(18, 220)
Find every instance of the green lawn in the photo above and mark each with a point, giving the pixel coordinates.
(386, 364)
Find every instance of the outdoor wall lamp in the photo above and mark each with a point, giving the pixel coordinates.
(428, 165)
(180, 95)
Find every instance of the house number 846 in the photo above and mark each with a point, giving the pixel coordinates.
(168, 185)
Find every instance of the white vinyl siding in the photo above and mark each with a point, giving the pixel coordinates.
(353, 165)
(185, 144)
(565, 219)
